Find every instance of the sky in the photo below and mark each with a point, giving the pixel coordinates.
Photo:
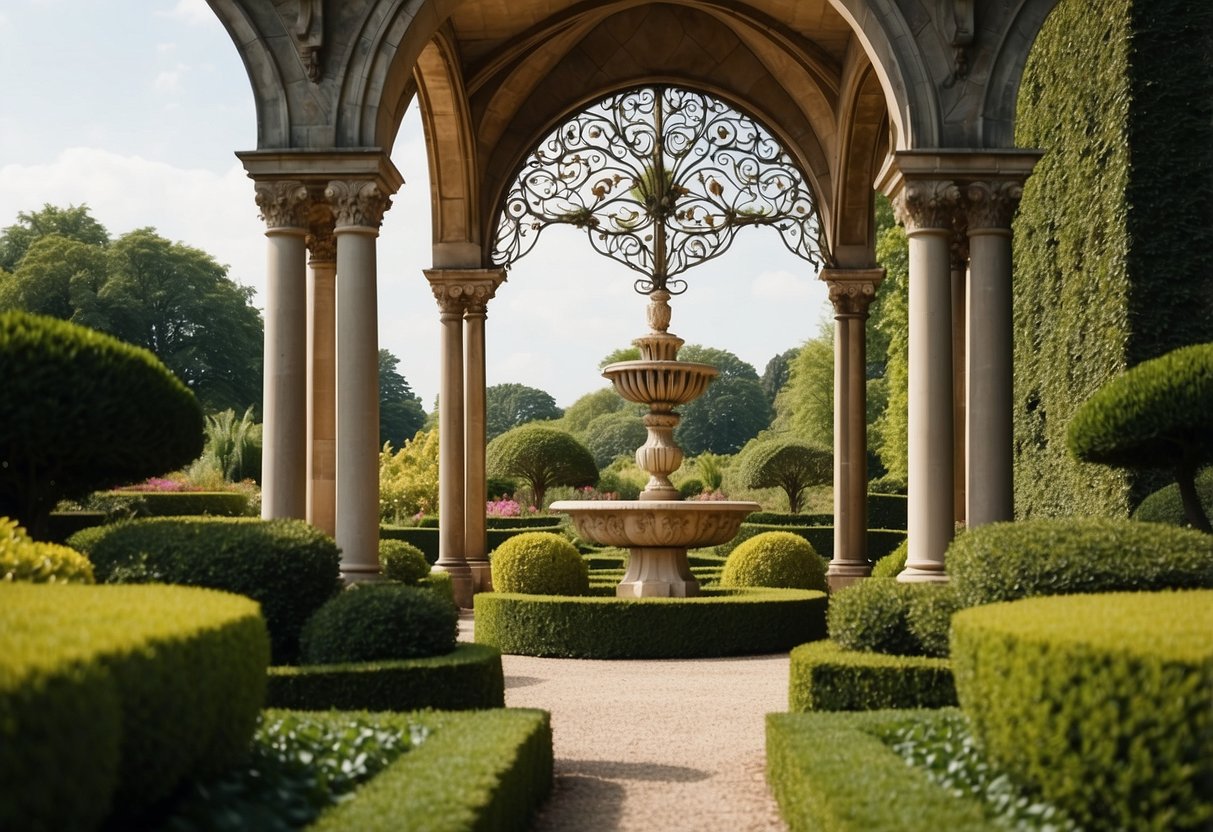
(137, 109)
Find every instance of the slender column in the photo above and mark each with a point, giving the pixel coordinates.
(960, 336)
(358, 206)
(927, 208)
(851, 292)
(322, 379)
(990, 485)
(283, 206)
(478, 291)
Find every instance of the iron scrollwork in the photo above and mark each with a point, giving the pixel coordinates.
(661, 178)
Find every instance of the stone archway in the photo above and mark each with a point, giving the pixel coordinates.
(915, 98)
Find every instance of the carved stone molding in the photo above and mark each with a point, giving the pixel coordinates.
(992, 204)
(304, 19)
(322, 243)
(928, 203)
(852, 290)
(283, 204)
(464, 291)
(959, 249)
(357, 202)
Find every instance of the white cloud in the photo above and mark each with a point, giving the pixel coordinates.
(193, 12)
(169, 80)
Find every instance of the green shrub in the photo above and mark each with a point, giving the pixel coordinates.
(425, 539)
(887, 485)
(119, 415)
(813, 766)
(1098, 703)
(288, 566)
(823, 676)
(1166, 505)
(690, 488)
(122, 505)
(880, 541)
(1005, 561)
(441, 585)
(775, 559)
(931, 607)
(401, 561)
(715, 623)
(468, 677)
(783, 518)
(536, 521)
(789, 464)
(111, 696)
(541, 457)
(892, 564)
(882, 615)
(888, 511)
(539, 563)
(377, 622)
(22, 559)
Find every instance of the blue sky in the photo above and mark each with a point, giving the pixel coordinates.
(136, 108)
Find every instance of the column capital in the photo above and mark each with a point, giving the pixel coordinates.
(357, 202)
(991, 203)
(322, 241)
(464, 290)
(928, 203)
(852, 290)
(284, 203)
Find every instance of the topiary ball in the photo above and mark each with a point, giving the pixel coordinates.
(774, 559)
(22, 559)
(402, 561)
(379, 622)
(539, 563)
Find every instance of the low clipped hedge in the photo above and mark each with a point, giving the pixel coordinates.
(379, 622)
(888, 511)
(127, 504)
(485, 770)
(821, 538)
(500, 530)
(1005, 561)
(425, 539)
(883, 615)
(783, 518)
(26, 560)
(1102, 704)
(833, 771)
(824, 676)
(1166, 506)
(111, 696)
(288, 566)
(541, 521)
(716, 623)
(468, 678)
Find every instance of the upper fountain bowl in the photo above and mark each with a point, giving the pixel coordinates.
(668, 383)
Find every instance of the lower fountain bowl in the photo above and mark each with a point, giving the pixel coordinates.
(673, 524)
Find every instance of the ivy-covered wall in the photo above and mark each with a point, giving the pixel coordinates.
(1114, 238)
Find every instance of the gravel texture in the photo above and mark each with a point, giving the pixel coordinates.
(654, 745)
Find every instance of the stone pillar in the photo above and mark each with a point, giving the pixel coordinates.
(927, 208)
(990, 486)
(283, 205)
(851, 291)
(358, 206)
(960, 336)
(322, 379)
(479, 288)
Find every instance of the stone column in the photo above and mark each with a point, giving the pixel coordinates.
(283, 205)
(479, 288)
(927, 208)
(851, 291)
(452, 493)
(322, 379)
(990, 486)
(960, 336)
(358, 206)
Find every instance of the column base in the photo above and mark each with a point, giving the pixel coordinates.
(844, 573)
(482, 575)
(360, 574)
(930, 573)
(461, 582)
(657, 572)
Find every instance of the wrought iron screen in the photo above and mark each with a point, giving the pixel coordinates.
(661, 178)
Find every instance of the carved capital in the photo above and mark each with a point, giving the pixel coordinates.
(322, 243)
(959, 249)
(992, 204)
(464, 291)
(357, 202)
(928, 203)
(852, 290)
(283, 204)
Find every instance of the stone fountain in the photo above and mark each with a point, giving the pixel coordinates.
(660, 527)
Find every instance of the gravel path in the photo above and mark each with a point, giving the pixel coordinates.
(654, 745)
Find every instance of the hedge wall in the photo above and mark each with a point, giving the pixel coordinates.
(1113, 236)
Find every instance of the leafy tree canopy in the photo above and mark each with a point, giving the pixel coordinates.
(805, 405)
(730, 413)
(400, 412)
(777, 372)
(510, 405)
(789, 464)
(621, 354)
(73, 222)
(615, 434)
(589, 407)
(542, 457)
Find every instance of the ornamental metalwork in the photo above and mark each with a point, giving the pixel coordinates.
(661, 179)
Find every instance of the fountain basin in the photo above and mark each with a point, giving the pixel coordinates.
(666, 383)
(657, 533)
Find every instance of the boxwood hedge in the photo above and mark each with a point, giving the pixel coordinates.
(1102, 704)
(824, 676)
(111, 696)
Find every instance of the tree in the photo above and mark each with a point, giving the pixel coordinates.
(59, 277)
(1158, 414)
(408, 478)
(621, 354)
(510, 405)
(579, 414)
(730, 413)
(73, 223)
(776, 374)
(83, 411)
(542, 457)
(615, 434)
(788, 464)
(805, 405)
(890, 319)
(400, 412)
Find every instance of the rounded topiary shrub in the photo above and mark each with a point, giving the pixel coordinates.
(881, 615)
(1166, 504)
(401, 561)
(1063, 556)
(22, 559)
(539, 563)
(892, 564)
(379, 622)
(774, 559)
